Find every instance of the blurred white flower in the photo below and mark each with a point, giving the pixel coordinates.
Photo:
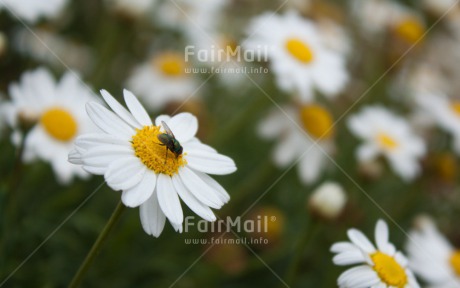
(387, 134)
(33, 10)
(328, 200)
(132, 159)
(37, 45)
(433, 258)
(381, 266)
(298, 56)
(56, 113)
(445, 112)
(378, 16)
(190, 16)
(316, 122)
(162, 80)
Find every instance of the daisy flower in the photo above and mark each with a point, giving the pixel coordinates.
(381, 267)
(432, 257)
(162, 79)
(388, 135)
(32, 10)
(445, 112)
(57, 113)
(293, 142)
(132, 159)
(300, 60)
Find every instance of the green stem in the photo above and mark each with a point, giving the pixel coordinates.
(309, 233)
(97, 246)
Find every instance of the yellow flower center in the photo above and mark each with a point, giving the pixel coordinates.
(456, 107)
(389, 271)
(317, 121)
(455, 262)
(299, 50)
(386, 141)
(59, 124)
(170, 64)
(410, 30)
(154, 154)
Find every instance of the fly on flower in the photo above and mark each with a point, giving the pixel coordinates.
(169, 140)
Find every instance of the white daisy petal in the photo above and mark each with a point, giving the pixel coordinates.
(161, 118)
(220, 191)
(169, 200)
(342, 247)
(184, 126)
(210, 162)
(200, 189)
(358, 277)
(75, 157)
(137, 195)
(102, 156)
(382, 238)
(93, 139)
(108, 121)
(195, 144)
(349, 258)
(196, 206)
(125, 173)
(120, 110)
(137, 109)
(152, 218)
(360, 240)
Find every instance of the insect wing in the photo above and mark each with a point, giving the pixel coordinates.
(167, 129)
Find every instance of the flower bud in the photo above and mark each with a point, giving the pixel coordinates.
(328, 201)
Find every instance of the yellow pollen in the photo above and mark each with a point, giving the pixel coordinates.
(299, 50)
(156, 157)
(59, 124)
(389, 271)
(456, 107)
(170, 64)
(410, 30)
(455, 262)
(386, 141)
(317, 121)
